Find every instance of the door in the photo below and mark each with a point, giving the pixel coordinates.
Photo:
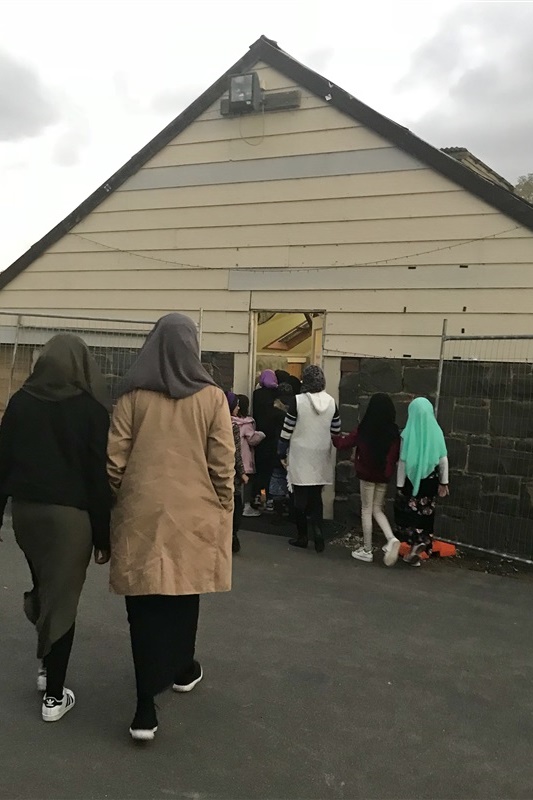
(318, 337)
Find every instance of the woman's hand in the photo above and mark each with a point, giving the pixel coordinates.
(444, 490)
(101, 556)
(245, 479)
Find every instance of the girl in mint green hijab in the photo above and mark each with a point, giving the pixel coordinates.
(423, 442)
(422, 476)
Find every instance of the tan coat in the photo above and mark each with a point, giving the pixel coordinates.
(171, 464)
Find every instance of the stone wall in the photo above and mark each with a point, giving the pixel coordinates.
(486, 411)
(403, 379)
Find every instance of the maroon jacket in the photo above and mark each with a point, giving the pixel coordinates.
(366, 468)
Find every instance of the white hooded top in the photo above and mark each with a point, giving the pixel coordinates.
(311, 455)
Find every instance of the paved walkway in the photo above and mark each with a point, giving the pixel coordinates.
(324, 679)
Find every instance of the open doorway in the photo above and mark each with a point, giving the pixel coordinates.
(287, 340)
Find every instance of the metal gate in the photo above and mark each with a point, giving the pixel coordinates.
(485, 405)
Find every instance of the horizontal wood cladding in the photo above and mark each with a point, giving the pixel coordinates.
(504, 301)
(420, 206)
(147, 299)
(306, 189)
(268, 146)
(305, 234)
(216, 128)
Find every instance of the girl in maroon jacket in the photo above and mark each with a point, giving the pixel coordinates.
(377, 449)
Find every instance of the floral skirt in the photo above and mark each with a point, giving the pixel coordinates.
(414, 517)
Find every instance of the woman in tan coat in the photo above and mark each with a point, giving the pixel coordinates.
(171, 463)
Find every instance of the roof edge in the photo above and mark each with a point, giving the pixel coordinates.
(169, 132)
(500, 198)
(265, 49)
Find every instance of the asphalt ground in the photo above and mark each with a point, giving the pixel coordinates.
(324, 678)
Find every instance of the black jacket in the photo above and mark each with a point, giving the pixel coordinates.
(55, 453)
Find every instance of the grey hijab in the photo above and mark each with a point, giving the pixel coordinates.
(169, 362)
(66, 369)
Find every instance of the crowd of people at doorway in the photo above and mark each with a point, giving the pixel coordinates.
(165, 509)
(303, 418)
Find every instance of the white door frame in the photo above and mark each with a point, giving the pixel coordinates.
(252, 338)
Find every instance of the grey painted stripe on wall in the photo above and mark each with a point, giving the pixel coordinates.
(352, 162)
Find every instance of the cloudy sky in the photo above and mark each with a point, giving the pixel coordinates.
(84, 85)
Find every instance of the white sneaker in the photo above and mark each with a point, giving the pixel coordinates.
(186, 683)
(362, 555)
(250, 512)
(54, 709)
(41, 679)
(391, 550)
(143, 734)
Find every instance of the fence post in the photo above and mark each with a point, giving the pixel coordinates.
(13, 359)
(441, 364)
(200, 330)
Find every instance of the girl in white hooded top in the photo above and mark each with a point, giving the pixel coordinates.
(311, 420)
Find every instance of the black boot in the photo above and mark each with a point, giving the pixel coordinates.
(318, 536)
(300, 541)
(302, 536)
(235, 544)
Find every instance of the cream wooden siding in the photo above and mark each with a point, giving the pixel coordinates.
(227, 215)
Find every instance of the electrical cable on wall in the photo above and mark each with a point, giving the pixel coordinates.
(379, 262)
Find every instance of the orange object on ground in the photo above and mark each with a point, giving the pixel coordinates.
(442, 549)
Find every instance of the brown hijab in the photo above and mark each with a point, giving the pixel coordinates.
(66, 369)
(169, 362)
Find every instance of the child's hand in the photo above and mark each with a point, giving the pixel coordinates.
(284, 463)
(245, 479)
(444, 490)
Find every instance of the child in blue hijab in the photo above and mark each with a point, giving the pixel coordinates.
(422, 476)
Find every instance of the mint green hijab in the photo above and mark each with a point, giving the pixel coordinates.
(423, 442)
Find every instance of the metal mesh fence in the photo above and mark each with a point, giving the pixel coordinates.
(485, 406)
(113, 343)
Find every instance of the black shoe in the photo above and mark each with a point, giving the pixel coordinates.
(298, 542)
(144, 725)
(319, 543)
(188, 680)
(235, 544)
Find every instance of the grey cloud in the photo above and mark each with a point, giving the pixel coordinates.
(27, 106)
(479, 68)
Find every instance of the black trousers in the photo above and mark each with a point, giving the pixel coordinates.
(163, 639)
(308, 506)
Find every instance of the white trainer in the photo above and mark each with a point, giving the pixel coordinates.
(391, 550)
(250, 512)
(54, 709)
(143, 734)
(362, 555)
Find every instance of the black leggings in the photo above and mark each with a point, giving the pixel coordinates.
(56, 663)
(308, 506)
(163, 639)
